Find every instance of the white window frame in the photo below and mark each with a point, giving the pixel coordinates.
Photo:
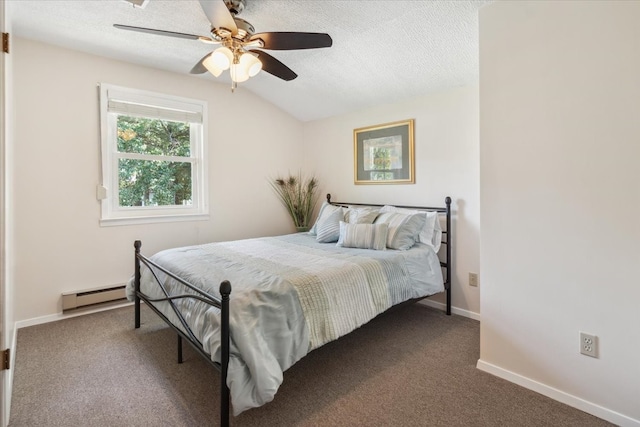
(116, 100)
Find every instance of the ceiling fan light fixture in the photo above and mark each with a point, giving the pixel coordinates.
(250, 64)
(238, 73)
(222, 57)
(211, 66)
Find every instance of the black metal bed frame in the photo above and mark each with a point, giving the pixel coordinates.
(223, 303)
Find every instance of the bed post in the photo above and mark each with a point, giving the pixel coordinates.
(225, 291)
(449, 263)
(137, 244)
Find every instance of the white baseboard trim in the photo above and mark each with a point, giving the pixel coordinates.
(454, 310)
(561, 396)
(60, 316)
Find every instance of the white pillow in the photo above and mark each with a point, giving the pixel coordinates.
(363, 236)
(325, 210)
(404, 229)
(328, 228)
(436, 238)
(431, 233)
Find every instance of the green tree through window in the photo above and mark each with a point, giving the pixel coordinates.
(162, 180)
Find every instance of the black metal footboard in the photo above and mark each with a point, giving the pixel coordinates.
(186, 333)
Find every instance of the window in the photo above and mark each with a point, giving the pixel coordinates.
(153, 157)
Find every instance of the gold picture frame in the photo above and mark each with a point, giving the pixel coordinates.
(383, 154)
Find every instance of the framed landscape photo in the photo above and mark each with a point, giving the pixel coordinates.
(383, 154)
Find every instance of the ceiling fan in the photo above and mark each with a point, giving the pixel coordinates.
(240, 45)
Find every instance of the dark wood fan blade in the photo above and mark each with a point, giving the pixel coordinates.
(218, 14)
(199, 68)
(159, 32)
(272, 66)
(293, 40)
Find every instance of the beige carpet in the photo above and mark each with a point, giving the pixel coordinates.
(412, 367)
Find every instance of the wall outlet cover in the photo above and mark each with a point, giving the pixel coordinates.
(588, 344)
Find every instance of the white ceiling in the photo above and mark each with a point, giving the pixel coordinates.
(383, 51)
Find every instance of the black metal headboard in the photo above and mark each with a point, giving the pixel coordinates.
(447, 264)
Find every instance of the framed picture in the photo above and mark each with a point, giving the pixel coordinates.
(383, 154)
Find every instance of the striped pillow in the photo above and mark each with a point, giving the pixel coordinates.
(328, 228)
(431, 233)
(363, 236)
(404, 229)
(361, 215)
(325, 210)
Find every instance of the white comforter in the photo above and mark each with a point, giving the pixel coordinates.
(289, 296)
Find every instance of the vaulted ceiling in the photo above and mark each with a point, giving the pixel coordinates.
(383, 51)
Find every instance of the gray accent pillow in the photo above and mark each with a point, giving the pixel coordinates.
(363, 236)
(328, 228)
(325, 210)
(355, 215)
(404, 229)
(431, 233)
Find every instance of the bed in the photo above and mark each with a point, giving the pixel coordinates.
(293, 293)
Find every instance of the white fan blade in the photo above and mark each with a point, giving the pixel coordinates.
(219, 15)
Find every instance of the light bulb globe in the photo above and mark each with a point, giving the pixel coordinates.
(222, 57)
(238, 73)
(211, 66)
(250, 64)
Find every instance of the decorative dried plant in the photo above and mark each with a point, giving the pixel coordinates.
(298, 194)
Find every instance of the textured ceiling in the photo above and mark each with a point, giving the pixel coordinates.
(383, 51)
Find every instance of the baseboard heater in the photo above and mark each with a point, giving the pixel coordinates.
(92, 297)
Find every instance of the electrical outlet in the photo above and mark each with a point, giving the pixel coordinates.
(588, 345)
(473, 279)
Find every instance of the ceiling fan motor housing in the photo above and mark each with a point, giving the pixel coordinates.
(245, 29)
(235, 6)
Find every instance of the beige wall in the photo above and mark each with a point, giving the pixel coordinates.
(446, 164)
(559, 132)
(57, 169)
(59, 244)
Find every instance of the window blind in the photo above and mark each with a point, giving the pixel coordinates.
(141, 110)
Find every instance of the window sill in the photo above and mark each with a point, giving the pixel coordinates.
(110, 222)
